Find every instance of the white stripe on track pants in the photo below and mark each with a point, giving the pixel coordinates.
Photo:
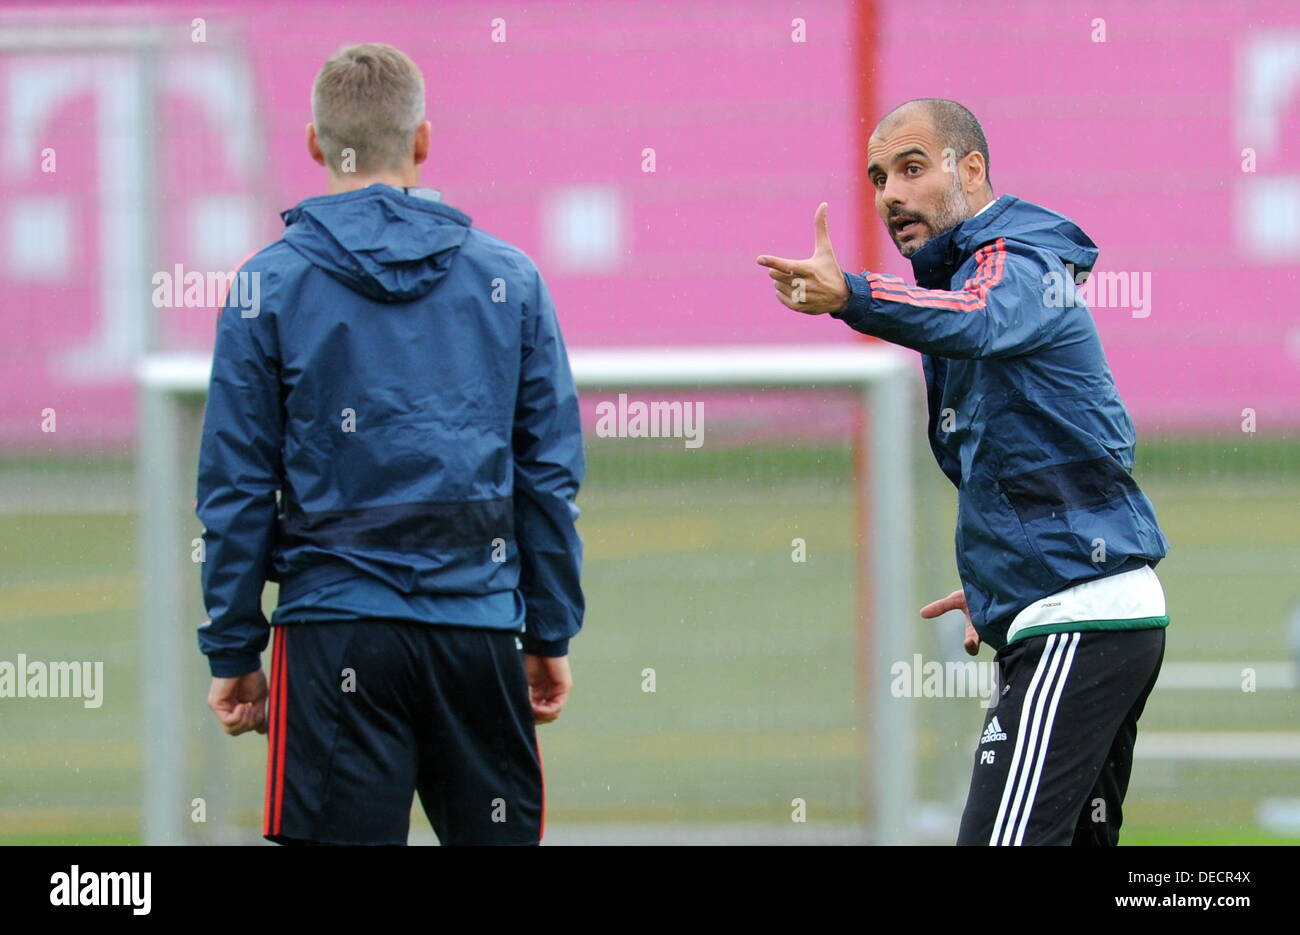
(1054, 757)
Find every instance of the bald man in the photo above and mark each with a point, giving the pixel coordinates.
(1056, 545)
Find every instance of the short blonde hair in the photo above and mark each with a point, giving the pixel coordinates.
(368, 98)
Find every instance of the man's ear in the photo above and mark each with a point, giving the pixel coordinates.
(423, 136)
(974, 172)
(313, 147)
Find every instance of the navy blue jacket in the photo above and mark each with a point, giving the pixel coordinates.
(404, 387)
(1024, 416)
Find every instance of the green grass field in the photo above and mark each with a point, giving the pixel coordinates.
(689, 574)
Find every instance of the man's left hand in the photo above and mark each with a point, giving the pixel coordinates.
(240, 703)
(814, 286)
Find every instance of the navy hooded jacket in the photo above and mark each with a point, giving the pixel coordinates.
(403, 385)
(1024, 416)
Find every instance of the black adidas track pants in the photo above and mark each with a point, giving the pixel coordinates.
(1056, 751)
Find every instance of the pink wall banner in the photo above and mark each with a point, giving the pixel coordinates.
(643, 155)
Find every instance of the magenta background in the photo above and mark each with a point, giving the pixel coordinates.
(1134, 138)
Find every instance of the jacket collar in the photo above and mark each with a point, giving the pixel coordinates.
(934, 264)
(424, 199)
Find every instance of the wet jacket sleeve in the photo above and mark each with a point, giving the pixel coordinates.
(1002, 310)
(549, 468)
(239, 473)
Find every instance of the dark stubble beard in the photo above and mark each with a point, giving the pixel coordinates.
(951, 212)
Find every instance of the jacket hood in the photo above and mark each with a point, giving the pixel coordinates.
(1013, 219)
(388, 244)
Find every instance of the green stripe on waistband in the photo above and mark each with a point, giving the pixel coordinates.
(1077, 626)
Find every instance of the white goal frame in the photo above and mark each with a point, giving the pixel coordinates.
(172, 388)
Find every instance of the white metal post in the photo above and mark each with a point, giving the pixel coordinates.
(888, 488)
(162, 655)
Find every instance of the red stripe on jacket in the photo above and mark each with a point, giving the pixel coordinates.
(990, 265)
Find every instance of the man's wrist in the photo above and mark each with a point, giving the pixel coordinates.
(858, 302)
(234, 665)
(848, 294)
(549, 648)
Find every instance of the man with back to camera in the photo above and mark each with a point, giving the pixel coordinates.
(404, 385)
(1056, 545)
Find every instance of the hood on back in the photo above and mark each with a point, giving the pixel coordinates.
(1013, 219)
(379, 241)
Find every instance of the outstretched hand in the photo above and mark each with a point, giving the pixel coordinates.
(814, 286)
(955, 601)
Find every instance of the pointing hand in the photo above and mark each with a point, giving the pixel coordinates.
(955, 601)
(814, 286)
